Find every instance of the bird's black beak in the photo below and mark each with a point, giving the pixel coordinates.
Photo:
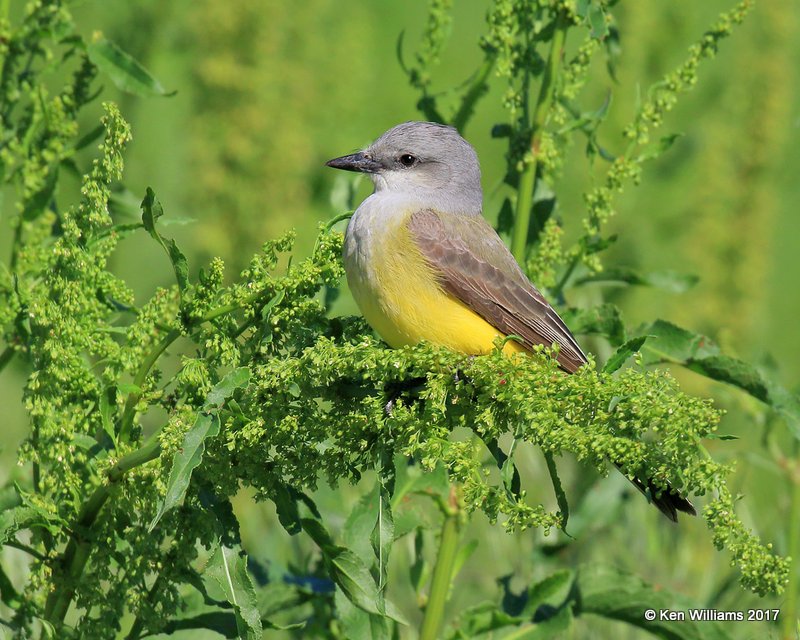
(355, 162)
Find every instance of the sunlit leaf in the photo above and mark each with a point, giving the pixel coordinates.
(671, 281)
(125, 71)
(227, 566)
(189, 456)
(623, 352)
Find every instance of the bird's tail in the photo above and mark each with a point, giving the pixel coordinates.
(668, 501)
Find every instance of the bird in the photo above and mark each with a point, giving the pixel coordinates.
(423, 264)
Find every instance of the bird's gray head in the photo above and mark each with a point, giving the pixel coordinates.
(422, 159)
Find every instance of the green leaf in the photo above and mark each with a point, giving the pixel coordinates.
(350, 573)
(357, 623)
(221, 622)
(360, 524)
(225, 388)
(108, 402)
(542, 591)
(286, 508)
(152, 211)
(27, 517)
(667, 280)
(125, 72)
(228, 568)
(346, 569)
(701, 355)
(382, 535)
(462, 555)
(411, 479)
(509, 473)
(561, 497)
(186, 460)
(479, 619)
(657, 148)
(611, 593)
(623, 352)
(190, 454)
(597, 21)
(670, 343)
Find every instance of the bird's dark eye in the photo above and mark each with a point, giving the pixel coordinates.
(407, 160)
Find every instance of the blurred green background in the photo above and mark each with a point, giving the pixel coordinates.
(267, 91)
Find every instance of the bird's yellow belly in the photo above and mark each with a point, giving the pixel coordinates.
(399, 296)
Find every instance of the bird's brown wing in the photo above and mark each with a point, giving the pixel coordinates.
(475, 266)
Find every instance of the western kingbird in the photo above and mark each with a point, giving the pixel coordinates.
(423, 264)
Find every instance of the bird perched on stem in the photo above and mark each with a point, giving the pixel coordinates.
(423, 264)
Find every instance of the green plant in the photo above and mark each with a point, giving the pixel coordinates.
(147, 418)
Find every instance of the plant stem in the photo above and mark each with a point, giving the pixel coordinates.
(138, 624)
(443, 571)
(24, 547)
(791, 613)
(527, 181)
(133, 397)
(76, 554)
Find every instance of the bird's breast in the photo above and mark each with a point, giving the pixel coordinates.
(396, 289)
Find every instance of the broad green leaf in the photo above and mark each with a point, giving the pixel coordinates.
(561, 496)
(9, 498)
(357, 623)
(611, 593)
(411, 479)
(108, 402)
(671, 281)
(186, 461)
(190, 454)
(479, 619)
(26, 517)
(623, 352)
(21, 513)
(225, 388)
(228, 568)
(670, 343)
(698, 353)
(350, 573)
(286, 508)
(221, 622)
(657, 148)
(360, 524)
(125, 72)
(597, 21)
(346, 569)
(542, 591)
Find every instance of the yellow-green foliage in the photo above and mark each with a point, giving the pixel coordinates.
(259, 78)
(243, 378)
(732, 208)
